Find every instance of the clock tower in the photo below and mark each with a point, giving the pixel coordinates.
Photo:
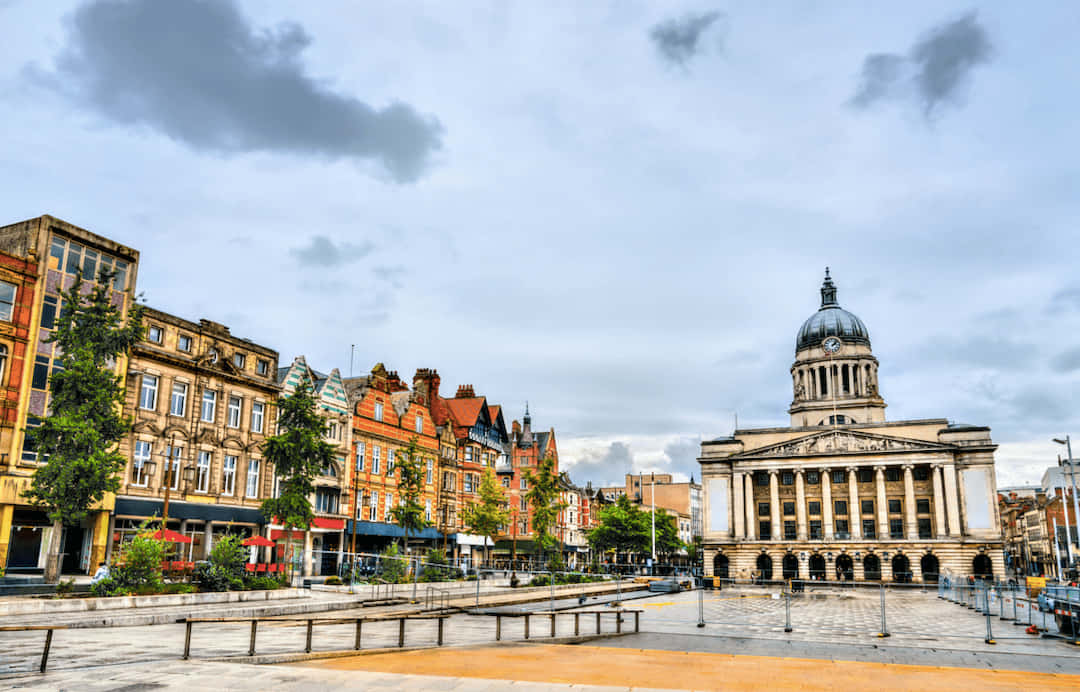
(835, 374)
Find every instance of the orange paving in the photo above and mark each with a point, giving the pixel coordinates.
(593, 665)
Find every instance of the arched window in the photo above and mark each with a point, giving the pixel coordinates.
(845, 569)
(720, 566)
(929, 566)
(871, 566)
(981, 567)
(764, 566)
(901, 569)
(817, 566)
(791, 566)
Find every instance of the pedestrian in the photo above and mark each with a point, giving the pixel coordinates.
(101, 573)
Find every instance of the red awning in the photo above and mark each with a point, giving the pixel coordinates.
(321, 523)
(172, 536)
(258, 541)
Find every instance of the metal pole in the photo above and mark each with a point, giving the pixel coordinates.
(415, 573)
(251, 645)
(787, 611)
(45, 651)
(478, 587)
(187, 640)
(618, 587)
(551, 575)
(1057, 547)
(307, 645)
(701, 606)
(653, 498)
(884, 627)
(989, 633)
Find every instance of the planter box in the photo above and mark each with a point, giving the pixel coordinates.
(45, 606)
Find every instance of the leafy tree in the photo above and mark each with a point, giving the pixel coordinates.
(79, 438)
(543, 499)
(623, 528)
(298, 453)
(409, 513)
(486, 516)
(392, 567)
(667, 534)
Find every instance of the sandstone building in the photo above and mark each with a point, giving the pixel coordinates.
(842, 493)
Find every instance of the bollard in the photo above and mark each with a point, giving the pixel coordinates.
(45, 651)
(441, 630)
(598, 622)
(577, 624)
(618, 622)
(700, 607)
(618, 588)
(251, 645)
(637, 621)
(526, 625)
(989, 634)
(401, 633)
(787, 611)
(307, 646)
(359, 625)
(415, 573)
(498, 627)
(553, 624)
(187, 641)
(884, 628)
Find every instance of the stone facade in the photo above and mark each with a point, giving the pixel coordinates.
(849, 495)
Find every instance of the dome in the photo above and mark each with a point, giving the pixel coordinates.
(831, 320)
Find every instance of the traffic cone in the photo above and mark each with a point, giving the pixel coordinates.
(1032, 630)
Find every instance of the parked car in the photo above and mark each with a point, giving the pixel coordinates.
(665, 586)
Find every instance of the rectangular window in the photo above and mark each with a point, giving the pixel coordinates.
(867, 507)
(74, 258)
(894, 506)
(183, 343)
(896, 528)
(262, 366)
(764, 530)
(790, 532)
(373, 508)
(840, 507)
(376, 452)
(253, 478)
(360, 449)
(235, 408)
(924, 527)
(815, 530)
(761, 478)
(228, 476)
(49, 308)
(763, 509)
(524, 484)
(209, 406)
(239, 359)
(524, 504)
(866, 475)
(154, 334)
(378, 411)
(430, 471)
(869, 528)
(922, 506)
(506, 481)
(148, 392)
(921, 473)
(139, 476)
(815, 507)
(257, 416)
(838, 477)
(813, 477)
(787, 477)
(326, 500)
(789, 509)
(56, 253)
(178, 400)
(892, 474)
(842, 528)
(174, 453)
(468, 483)
(202, 481)
(427, 510)
(419, 424)
(90, 264)
(389, 506)
(391, 458)
(468, 453)
(40, 378)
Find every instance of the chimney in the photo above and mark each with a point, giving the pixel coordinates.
(465, 391)
(426, 385)
(515, 427)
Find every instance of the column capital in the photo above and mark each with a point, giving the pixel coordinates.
(774, 472)
(824, 469)
(936, 465)
(799, 470)
(852, 469)
(909, 467)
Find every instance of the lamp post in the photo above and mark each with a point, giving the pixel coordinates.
(1076, 501)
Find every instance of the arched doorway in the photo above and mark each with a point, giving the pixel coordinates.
(817, 566)
(871, 567)
(981, 567)
(845, 568)
(764, 566)
(901, 569)
(929, 566)
(720, 566)
(791, 566)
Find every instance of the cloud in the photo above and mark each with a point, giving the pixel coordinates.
(199, 73)
(1067, 298)
(935, 70)
(602, 466)
(682, 457)
(678, 40)
(323, 252)
(1066, 361)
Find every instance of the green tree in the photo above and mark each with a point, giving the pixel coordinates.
(79, 438)
(543, 499)
(297, 454)
(409, 513)
(486, 516)
(623, 528)
(667, 534)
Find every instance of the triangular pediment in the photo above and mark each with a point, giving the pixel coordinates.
(833, 442)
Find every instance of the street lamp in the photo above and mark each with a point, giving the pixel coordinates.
(1076, 501)
(183, 475)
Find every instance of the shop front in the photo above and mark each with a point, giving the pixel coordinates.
(30, 533)
(203, 523)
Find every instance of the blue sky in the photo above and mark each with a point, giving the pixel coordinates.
(620, 212)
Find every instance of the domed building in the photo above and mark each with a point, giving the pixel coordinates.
(843, 494)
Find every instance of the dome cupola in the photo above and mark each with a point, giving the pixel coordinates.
(831, 320)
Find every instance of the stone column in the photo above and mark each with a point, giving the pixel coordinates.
(774, 504)
(826, 504)
(737, 495)
(800, 503)
(939, 499)
(751, 508)
(911, 526)
(882, 504)
(952, 498)
(854, 517)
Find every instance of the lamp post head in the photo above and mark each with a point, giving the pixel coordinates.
(1060, 442)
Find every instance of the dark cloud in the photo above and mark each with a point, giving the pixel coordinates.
(196, 71)
(603, 466)
(678, 40)
(1066, 361)
(323, 252)
(682, 457)
(935, 70)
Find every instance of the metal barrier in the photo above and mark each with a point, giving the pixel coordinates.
(435, 598)
(48, 629)
(552, 615)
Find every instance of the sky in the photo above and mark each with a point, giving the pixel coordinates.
(620, 212)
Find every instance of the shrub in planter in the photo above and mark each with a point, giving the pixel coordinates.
(103, 587)
(262, 583)
(213, 577)
(64, 588)
(392, 566)
(139, 564)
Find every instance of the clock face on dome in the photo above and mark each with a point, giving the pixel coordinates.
(831, 345)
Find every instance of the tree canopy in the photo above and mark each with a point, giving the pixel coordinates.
(486, 516)
(409, 513)
(543, 499)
